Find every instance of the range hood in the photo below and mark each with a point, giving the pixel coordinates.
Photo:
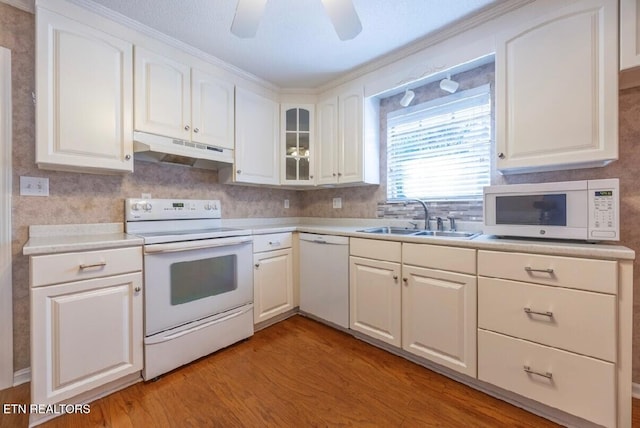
(156, 148)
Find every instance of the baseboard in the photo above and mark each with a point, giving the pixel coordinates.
(635, 390)
(22, 376)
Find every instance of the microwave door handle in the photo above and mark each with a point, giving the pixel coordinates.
(195, 245)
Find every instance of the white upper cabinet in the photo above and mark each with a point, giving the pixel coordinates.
(629, 34)
(557, 90)
(212, 113)
(84, 90)
(296, 136)
(257, 130)
(163, 95)
(174, 100)
(347, 150)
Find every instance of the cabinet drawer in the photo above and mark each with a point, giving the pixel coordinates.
(376, 249)
(273, 241)
(569, 272)
(578, 321)
(440, 257)
(579, 385)
(66, 267)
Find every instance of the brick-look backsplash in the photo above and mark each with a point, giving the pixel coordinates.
(466, 211)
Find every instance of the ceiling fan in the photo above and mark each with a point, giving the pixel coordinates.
(342, 13)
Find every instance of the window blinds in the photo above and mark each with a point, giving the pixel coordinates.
(440, 150)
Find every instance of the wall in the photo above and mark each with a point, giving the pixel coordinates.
(88, 198)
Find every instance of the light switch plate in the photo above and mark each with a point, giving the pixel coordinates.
(337, 202)
(286, 203)
(34, 186)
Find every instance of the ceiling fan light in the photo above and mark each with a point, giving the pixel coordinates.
(344, 18)
(247, 18)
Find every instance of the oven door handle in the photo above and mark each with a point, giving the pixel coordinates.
(196, 245)
(162, 338)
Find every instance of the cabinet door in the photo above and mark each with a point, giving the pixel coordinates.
(629, 34)
(375, 294)
(327, 142)
(256, 139)
(439, 317)
(84, 89)
(272, 284)
(84, 334)
(296, 134)
(162, 95)
(556, 89)
(212, 114)
(351, 138)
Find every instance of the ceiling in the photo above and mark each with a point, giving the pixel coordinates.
(296, 45)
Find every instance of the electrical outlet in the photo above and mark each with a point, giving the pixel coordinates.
(34, 186)
(286, 203)
(337, 202)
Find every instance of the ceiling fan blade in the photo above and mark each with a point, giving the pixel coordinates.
(344, 17)
(247, 18)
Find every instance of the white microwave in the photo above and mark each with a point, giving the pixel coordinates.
(586, 210)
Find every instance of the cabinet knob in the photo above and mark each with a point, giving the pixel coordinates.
(334, 174)
(186, 127)
(196, 130)
(127, 157)
(311, 177)
(257, 265)
(339, 174)
(395, 277)
(501, 155)
(239, 171)
(406, 281)
(137, 289)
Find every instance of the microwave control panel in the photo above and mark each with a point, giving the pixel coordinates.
(604, 203)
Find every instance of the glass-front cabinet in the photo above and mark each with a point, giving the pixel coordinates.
(297, 144)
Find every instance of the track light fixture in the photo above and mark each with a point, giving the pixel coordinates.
(449, 85)
(407, 98)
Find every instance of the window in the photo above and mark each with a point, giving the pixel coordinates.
(440, 150)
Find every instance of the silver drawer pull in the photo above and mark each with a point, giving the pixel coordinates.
(546, 314)
(274, 243)
(547, 375)
(93, 265)
(530, 269)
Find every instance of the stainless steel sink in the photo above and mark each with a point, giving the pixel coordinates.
(391, 230)
(447, 234)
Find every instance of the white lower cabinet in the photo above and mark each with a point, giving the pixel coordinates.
(401, 295)
(273, 276)
(548, 329)
(85, 333)
(375, 296)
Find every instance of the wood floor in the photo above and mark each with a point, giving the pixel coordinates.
(297, 373)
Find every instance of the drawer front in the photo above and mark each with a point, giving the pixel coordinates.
(376, 249)
(569, 272)
(273, 241)
(440, 257)
(66, 267)
(574, 320)
(579, 385)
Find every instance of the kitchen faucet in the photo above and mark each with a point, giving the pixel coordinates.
(426, 211)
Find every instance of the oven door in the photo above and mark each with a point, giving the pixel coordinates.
(188, 281)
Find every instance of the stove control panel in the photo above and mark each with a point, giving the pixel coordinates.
(171, 209)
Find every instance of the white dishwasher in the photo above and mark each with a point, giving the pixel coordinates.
(324, 277)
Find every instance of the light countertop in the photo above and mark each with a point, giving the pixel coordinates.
(70, 238)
